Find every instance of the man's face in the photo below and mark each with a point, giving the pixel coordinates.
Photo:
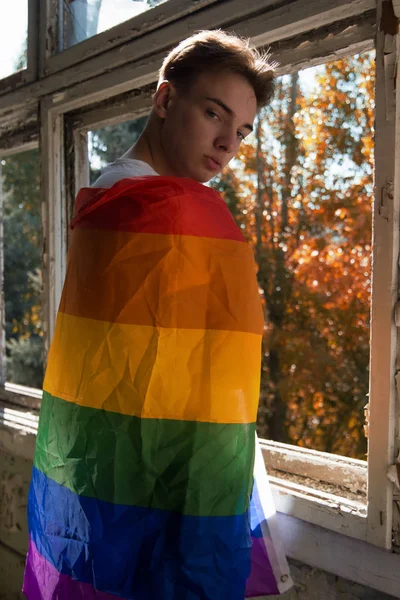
(204, 126)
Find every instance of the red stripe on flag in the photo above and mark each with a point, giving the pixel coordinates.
(166, 205)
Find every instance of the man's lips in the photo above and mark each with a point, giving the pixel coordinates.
(212, 163)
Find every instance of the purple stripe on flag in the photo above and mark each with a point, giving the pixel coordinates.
(43, 582)
(261, 581)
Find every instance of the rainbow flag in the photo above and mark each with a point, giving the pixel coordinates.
(143, 470)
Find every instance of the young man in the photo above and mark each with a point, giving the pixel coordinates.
(143, 469)
(209, 90)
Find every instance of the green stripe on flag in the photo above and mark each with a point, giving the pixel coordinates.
(194, 468)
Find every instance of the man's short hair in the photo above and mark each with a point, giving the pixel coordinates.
(218, 50)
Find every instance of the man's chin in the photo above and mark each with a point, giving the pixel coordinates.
(204, 176)
(200, 175)
(204, 180)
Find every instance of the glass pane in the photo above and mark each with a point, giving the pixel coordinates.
(111, 142)
(85, 18)
(23, 269)
(302, 194)
(13, 37)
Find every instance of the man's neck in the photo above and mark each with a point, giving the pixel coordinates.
(148, 149)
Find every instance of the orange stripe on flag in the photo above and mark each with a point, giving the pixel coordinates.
(161, 280)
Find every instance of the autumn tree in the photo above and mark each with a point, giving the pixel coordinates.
(302, 192)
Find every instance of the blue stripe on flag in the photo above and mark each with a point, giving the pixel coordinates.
(138, 553)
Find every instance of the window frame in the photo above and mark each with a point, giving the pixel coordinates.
(335, 513)
(57, 58)
(263, 21)
(383, 409)
(92, 98)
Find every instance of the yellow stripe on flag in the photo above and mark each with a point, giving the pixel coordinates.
(156, 373)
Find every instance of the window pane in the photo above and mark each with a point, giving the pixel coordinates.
(13, 37)
(23, 269)
(85, 18)
(111, 142)
(302, 195)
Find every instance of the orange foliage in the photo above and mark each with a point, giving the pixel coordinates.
(303, 201)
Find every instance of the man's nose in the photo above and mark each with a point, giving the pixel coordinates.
(227, 141)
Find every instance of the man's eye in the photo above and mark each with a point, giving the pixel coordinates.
(240, 135)
(212, 114)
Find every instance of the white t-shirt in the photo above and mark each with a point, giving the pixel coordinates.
(120, 169)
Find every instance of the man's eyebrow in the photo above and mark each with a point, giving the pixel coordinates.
(228, 110)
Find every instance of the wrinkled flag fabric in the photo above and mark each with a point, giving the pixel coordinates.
(143, 470)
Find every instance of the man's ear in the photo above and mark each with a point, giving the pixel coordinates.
(162, 98)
